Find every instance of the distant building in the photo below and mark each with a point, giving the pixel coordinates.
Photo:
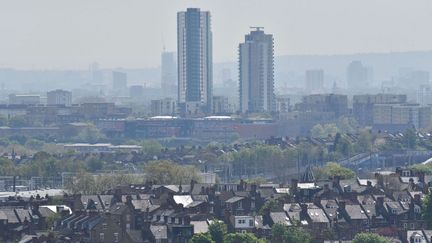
(24, 99)
(363, 105)
(221, 105)
(136, 91)
(256, 64)
(398, 117)
(163, 107)
(95, 73)
(195, 66)
(338, 104)
(424, 95)
(359, 77)
(59, 97)
(169, 73)
(282, 104)
(119, 82)
(314, 80)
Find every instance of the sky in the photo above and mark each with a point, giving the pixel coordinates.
(71, 34)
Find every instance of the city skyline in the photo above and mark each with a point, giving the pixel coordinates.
(70, 35)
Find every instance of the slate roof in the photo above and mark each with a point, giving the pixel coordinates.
(280, 218)
(234, 199)
(200, 226)
(159, 231)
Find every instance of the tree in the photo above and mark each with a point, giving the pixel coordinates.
(51, 219)
(168, 172)
(427, 208)
(242, 238)
(7, 167)
(333, 169)
(202, 238)
(369, 238)
(365, 141)
(90, 134)
(151, 147)
(18, 121)
(218, 230)
(269, 206)
(292, 234)
(410, 138)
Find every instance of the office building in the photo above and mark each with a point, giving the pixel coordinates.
(334, 103)
(256, 62)
(314, 80)
(168, 73)
(24, 99)
(359, 77)
(119, 82)
(399, 117)
(221, 105)
(59, 97)
(363, 105)
(163, 107)
(195, 67)
(282, 104)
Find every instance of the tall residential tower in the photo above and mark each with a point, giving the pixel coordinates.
(195, 66)
(256, 63)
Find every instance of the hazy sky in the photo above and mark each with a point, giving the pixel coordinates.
(128, 33)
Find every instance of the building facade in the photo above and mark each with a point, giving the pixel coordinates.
(314, 80)
(59, 97)
(168, 73)
(195, 66)
(163, 107)
(363, 105)
(256, 64)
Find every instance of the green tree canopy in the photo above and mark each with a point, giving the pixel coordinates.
(168, 172)
(202, 238)
(427, 208)
(218, 230)
(369, 238)
(242, 238)
(332, 169)
(292, 234)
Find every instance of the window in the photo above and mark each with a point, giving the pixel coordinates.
(128, 217)
(104, 226)
(240, 205)
(251, 223)
(412, 225)
(101, 236)
(417, 210)
(116, 237)
(405, 225)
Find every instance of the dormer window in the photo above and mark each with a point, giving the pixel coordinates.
(394, 210)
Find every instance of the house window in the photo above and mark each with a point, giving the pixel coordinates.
(412, 225)
(394, 211)
(104, 226)
(244, 231)
(116, 237)
(251, 223)
(128, 217)
(405, 225)
(417, 210)
(240, 205)
(101, 236)
(128, 226)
